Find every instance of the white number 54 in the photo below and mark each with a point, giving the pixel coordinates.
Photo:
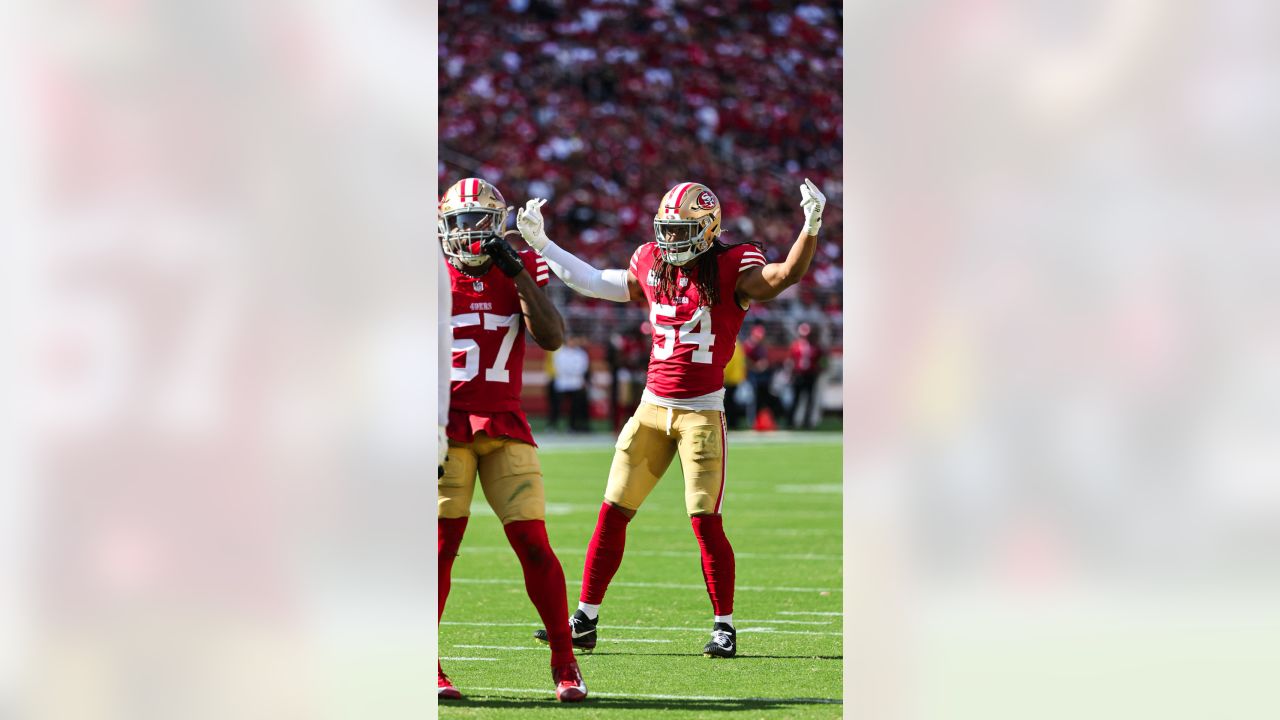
(695, 332)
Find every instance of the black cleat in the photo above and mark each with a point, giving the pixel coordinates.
(723, 643)
(581, 630)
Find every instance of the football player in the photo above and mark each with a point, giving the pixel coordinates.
(698, 290)
(444, 344)
(497, 294)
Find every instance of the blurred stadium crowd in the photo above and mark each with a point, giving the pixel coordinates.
(602, 105)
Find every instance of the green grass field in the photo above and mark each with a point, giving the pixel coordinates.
(782, 514)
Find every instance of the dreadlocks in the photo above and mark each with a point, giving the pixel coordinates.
(703, 272)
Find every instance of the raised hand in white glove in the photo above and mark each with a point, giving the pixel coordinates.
(529, 223)
(812, 201)
(442, 450)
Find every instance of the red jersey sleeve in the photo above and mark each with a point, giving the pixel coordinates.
(642, 262)
(636, 258)
(537, 267)
(748, 256)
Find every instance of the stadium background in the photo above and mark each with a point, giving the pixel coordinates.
(600, 106)
(1061, 493)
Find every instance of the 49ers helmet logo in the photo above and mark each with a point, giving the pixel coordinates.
(705, 200)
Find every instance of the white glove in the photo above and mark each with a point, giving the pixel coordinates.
(443, 448)
(529, 222)
(812, 201)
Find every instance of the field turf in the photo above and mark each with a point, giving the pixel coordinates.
(782, 514)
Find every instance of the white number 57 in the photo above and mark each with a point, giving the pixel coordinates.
(471, 366)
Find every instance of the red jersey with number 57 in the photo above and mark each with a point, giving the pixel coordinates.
(692, 343)
(488, 338)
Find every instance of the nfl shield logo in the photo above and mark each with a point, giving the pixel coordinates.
(653, 278)
(478, 286)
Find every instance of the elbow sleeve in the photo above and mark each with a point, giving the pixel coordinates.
(606, 285)
(613, 286)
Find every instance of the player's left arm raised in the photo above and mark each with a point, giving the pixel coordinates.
(768, 281)
(540, 316)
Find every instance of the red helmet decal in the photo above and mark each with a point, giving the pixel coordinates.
(706, 200)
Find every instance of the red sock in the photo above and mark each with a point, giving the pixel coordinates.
(544, 581)
(604, 553)
(449, 537)
(717, 561)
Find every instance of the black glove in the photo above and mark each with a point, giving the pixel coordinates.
(504, 256)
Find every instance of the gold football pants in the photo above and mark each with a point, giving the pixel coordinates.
(648, 442)
(510, 476)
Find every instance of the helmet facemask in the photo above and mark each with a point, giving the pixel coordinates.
(462, 230)
(682, 240)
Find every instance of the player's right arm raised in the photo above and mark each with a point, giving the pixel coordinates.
(767, 282)
(615, 285)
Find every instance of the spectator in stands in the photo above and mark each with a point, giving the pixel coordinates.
(613, 356)
(760, 372)
(572, 366)
(626, 375)
(804, 363)
(553, 399)
(735, 373)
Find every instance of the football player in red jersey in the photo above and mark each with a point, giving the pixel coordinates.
(497, 293)
(698, 291)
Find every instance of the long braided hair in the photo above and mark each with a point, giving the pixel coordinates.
(703, 272)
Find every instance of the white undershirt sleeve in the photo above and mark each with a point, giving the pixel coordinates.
(606, 284)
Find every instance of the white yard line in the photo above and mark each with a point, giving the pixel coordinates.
(480, 506)
(655, 696)
(515, 648)
(543, 648)
(669, 586)
(461, 659)
(775, 631)
(491, 624)
(553, 442)
(691, 553)
(788, 622)
(639, 628)
(805, 612)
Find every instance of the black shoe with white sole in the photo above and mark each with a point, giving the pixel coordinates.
(723, 643)
(582, 630)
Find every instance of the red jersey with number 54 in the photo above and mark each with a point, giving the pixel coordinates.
(488, 338)
(692, 343)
